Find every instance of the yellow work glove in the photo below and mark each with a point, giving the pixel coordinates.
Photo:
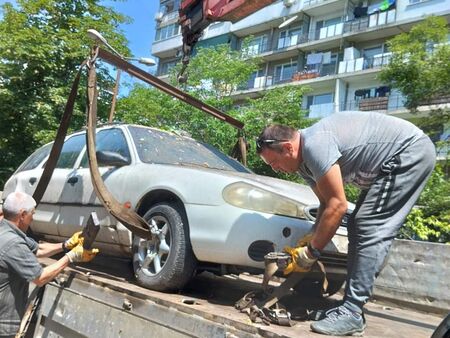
(305, 240)
(300, 260)
(73, 241)
(79, 254)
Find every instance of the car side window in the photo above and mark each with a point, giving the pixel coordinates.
(112, 140)
(70, 151)
(36, 158)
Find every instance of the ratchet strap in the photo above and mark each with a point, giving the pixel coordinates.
(59, 141)
(129, 218)
(262, 306)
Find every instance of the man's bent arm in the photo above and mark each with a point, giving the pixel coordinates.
(48, 249)
(330, 191)
(51, 271)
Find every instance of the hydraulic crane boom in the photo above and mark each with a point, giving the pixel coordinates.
(196, 15)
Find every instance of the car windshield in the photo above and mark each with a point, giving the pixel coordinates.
(155, 146)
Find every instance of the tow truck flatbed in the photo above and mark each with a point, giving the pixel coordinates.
(100, 299)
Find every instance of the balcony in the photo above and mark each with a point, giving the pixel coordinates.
(373, 103)
(257, 49)
(360, 64)
(290, 41)
(389, 103)
(328, 32)
(371, 21)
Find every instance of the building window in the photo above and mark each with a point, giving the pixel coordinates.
(257, 45)
(257, 79)
(320, 105)
(285, 72)
(319, 99)
(167, 66)
(168, 31)
(169, 6)
(329, 28)
(289, 37)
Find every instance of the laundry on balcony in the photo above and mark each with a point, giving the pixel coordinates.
(362, 93)
(360, 11)
(381, 6)
(382, 91)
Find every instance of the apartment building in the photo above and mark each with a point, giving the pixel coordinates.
(336, 47)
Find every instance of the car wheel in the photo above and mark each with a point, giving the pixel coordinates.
(313, 288)
(166, 262)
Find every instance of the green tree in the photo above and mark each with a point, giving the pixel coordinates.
(420, 64)
(420, 69)
(42, 43)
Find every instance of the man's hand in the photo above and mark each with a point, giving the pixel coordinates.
(301, 262)
(305, 240)
(73, 241)
(78, 254)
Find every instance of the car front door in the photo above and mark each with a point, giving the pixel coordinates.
(62, 189)
(115, 235)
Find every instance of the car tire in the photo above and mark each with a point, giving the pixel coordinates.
(312, 288)
(166, 262)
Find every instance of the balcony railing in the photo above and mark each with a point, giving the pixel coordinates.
(321, 110)
(327, 32)
(290, 41)
(360, 64)
(384, 103)
(258, 49)
(373, 20)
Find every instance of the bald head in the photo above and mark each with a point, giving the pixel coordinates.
(16, 203)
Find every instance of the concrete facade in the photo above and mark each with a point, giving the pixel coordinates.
(416, 274)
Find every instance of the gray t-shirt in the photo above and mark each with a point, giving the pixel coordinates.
(18, 267)
(360, 142)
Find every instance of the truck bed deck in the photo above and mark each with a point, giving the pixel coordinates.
(101, 299)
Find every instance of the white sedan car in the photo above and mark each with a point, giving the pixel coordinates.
(214, 213)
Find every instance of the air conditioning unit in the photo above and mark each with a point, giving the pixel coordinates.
(288, 3)
(159, 16)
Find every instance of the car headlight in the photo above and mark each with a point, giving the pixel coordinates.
(247, 196)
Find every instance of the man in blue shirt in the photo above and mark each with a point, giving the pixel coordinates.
(18, 260)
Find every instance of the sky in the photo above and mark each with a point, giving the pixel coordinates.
(140, 32)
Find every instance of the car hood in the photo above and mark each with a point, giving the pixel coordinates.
(298, 192)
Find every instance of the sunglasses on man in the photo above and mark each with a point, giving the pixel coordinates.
(262, 143)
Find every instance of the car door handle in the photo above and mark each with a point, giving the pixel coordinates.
(32, 180)
(72, 180)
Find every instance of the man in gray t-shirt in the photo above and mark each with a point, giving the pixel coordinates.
(388, 158)
(18, 260)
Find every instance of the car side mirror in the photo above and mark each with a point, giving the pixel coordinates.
(111, 159)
